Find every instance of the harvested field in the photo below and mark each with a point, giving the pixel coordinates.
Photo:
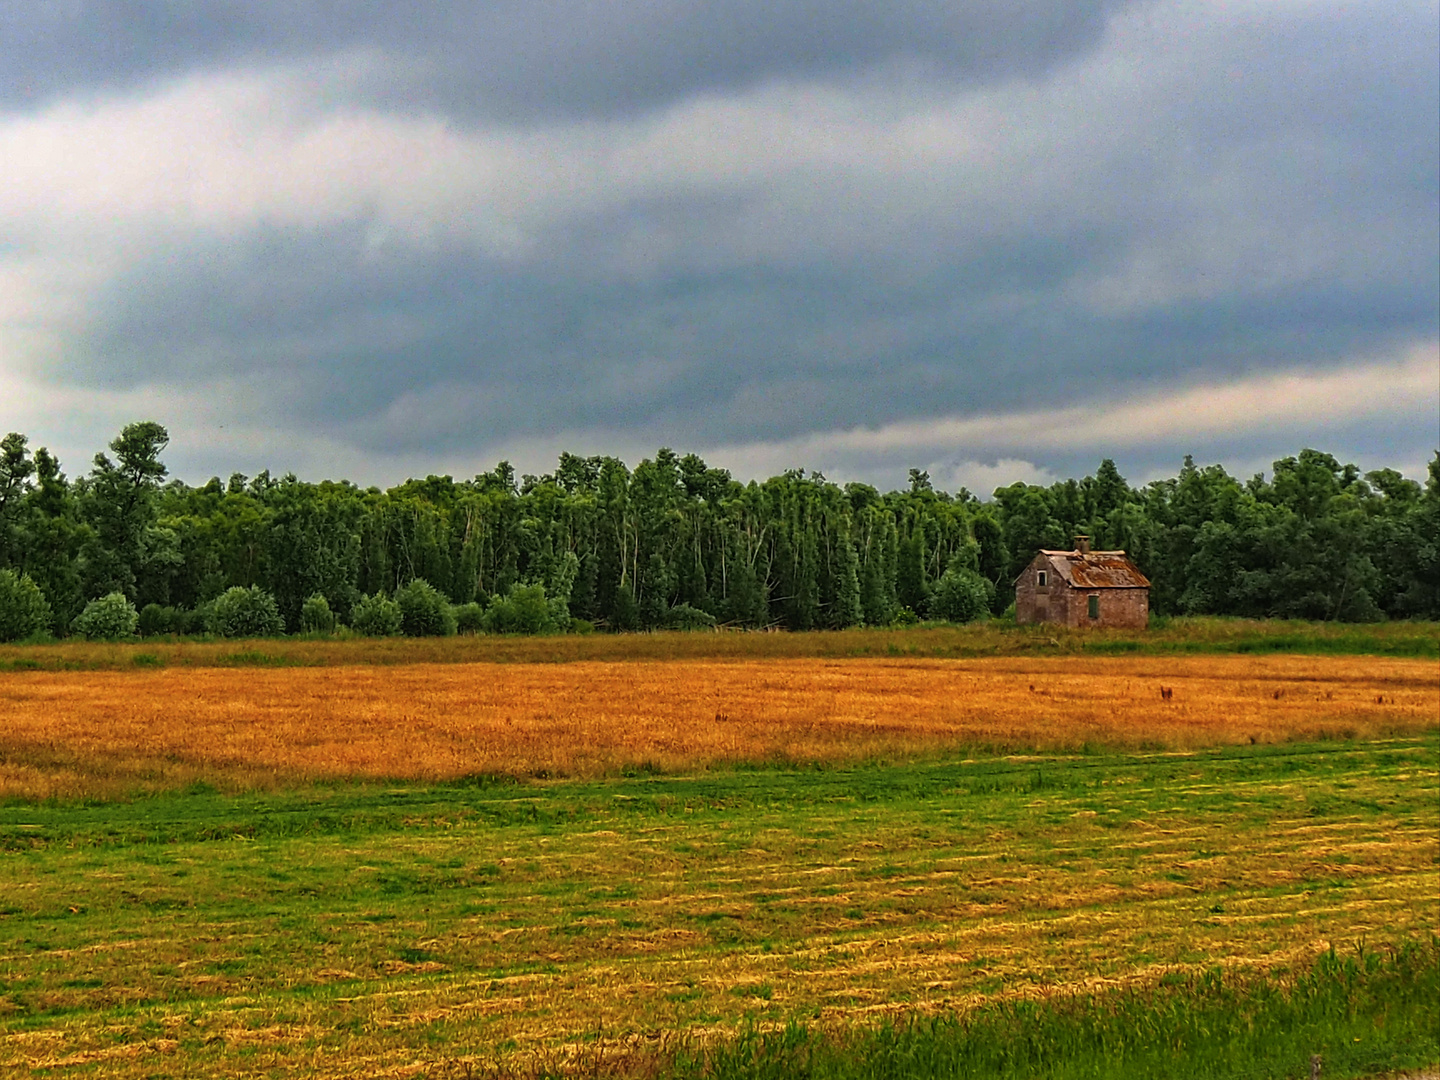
(98, 733)
(403, 930)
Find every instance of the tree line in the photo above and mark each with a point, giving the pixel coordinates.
(676, 543)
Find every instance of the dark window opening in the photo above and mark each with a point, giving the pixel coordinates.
(1041, 578)
(1094, 607)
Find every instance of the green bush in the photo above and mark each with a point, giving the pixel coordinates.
(316, 616)
(469, 618)
(23, 608)
(522, 610)
(157, 619)
(194, 621)
(241, 612)
(685, 617)
(375, 616)
(108, 618)
(960, 596)
(424, 611)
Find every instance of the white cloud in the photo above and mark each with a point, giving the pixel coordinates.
(981, 478)
(225, 427)
(1291, 405)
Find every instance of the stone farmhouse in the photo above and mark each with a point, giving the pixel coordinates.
(1083, 588)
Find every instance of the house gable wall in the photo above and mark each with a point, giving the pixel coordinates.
(1033, 602)
(1058, 602)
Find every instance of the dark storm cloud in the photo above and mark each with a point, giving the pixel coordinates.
(540, 58)
(435, 345)
(456, 349)
(1205, 201)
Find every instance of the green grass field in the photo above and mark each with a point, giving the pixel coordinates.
(657, 925)
(996, 637)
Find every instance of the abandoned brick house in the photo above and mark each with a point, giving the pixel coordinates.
(1082, 588)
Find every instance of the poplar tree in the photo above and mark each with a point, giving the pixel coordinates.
(847, 609)
(118, 499)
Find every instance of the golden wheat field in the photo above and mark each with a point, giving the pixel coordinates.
(71, 734)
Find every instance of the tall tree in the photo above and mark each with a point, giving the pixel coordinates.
(118, 501)
(16, 468)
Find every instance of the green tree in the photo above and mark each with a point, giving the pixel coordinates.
(877, 573)
(847, 609)
(119, 504)
(469, 618)
(524, 609)
(157, 620)
(993, 560)
(376, 615)
(111, 617)
(624, 611)
(53, 538)
(16, 469)
(424, 611)
(316, 616)
(23, 609)
(311, 545)
(656, 585)
(961, 595)
(1105, 492)
(563, 574)
(239, 612)
(685, 617)
(911, 585)
(1030, 523)
(1177, 510)
(1402, 531)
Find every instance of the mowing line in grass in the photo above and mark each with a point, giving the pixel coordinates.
(357, 929)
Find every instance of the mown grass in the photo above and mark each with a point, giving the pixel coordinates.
(523, 926)
(1359, 1014)
(1166, 636)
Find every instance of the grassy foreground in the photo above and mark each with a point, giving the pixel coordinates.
(746, 922)
(1165, 637)
(1366, 1013)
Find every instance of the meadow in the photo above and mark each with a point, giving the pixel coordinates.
(412, 930)
(1202, 635)
(722, 866)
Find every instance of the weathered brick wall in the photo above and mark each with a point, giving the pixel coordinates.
(1125, 608)
(1057, 602)
(1031, 601)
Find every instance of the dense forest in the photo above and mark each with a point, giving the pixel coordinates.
(676, 543)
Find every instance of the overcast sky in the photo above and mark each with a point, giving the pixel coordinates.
(996, 240)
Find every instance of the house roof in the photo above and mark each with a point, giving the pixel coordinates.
(1097, 570)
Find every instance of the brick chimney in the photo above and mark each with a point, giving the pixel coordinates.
(1082, 544)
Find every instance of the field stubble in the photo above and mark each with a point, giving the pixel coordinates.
(413, 931)
(113, 733)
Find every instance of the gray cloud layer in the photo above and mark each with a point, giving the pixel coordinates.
(542, 58)
(713, 224)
